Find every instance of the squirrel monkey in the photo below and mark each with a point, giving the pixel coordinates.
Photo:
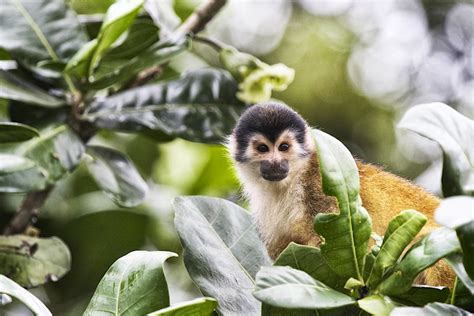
(276, 160)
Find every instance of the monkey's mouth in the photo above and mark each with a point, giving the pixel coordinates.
(274, 176)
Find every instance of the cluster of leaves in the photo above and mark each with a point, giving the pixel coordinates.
(64, 83)
(226, 259)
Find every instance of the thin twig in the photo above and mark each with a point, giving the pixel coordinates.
(27, 212)
(211, 42)
(201, 16)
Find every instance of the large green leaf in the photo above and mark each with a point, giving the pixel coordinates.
(453, 133)
(32, 261)
(437, 245)
(200, 106)
(310, 260)
(19, 174)
(203, 306)
(40, 30)
(11, 288)
(346, 235)
(134, 285)
(117, 20)
(118, 69)
(420, 295)
(290, 288)
(56, 151)
(19, 89)
(116, 175)
(401, 231)
(433, 309)
(377, 305)
(11, 132)
(458, 213)
(222, 251)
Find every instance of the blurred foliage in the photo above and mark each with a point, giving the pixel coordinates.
(98, 232)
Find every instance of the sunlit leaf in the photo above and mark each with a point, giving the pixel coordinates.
(32, 261)
(11, 288)
(377, 305)
(200, 106)
(116, 175)
(34, 31)
(346, 235)
(204, 306)
(290, 288)
(19, 174)
(117, 20)
(19, 89)
(222, 251)
(433, 309)
(310, 260)
(437, 245)
(453, 133)
(134, 285)
(401, 231)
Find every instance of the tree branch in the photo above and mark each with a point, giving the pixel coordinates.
(27, 212)
(201, 16)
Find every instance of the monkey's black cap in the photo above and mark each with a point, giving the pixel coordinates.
(270, 120)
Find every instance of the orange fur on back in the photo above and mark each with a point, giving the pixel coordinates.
(384, 195)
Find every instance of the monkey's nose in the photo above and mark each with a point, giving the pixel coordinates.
(274, 170)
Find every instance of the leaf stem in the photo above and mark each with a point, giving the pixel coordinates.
(218, 46)
(453, 293)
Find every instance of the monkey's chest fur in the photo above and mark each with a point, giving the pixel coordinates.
(284, 212)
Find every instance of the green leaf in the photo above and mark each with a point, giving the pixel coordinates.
(19, 174)
(290, 288)
(401, 231)
(200, 106)
(116, 175)
(377, 305)
(420, 295)
(57, 152)
(203, 306)
(310, 260)
(79, 64)
(458, 213)
(117, 20)
(11, 288)
(34, 31)
(462, 297)
(222, 251)
(456, 262)
(453, 133)
(114, 70)
(11, 132)
(134, 285)
(437, 245)
(433, 309)
(346, 235)
(32, 261)
(19, 89)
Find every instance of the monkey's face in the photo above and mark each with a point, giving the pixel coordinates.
(270, 142)
(273, 160)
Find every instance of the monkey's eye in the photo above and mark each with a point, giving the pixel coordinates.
(283, 147)
(262, 148)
